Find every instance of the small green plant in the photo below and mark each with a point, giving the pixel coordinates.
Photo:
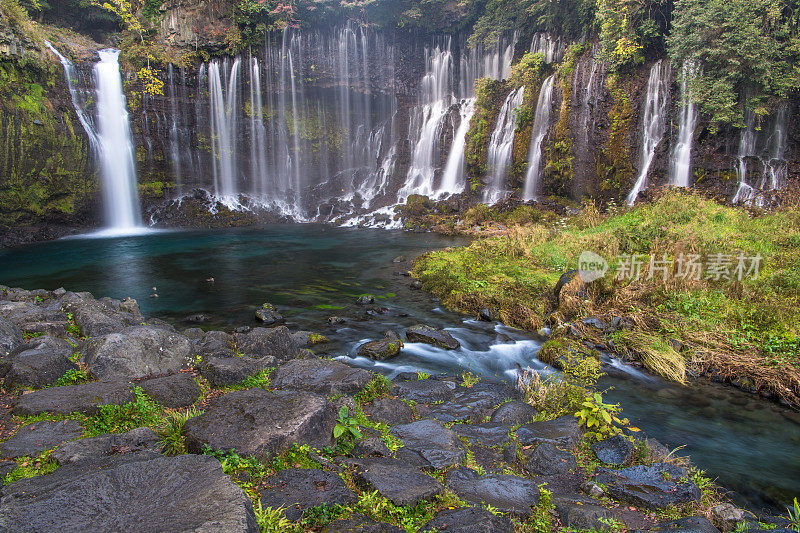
(469, 380)
(271, 520)
(258, 380)
(601, 419)
(120, 418)
(73, 376)
(31, 467)
(173, 441)
(379, 386)
(422, 375)
(794, 515)
(72, 328)
(541, 517)
(346, 426)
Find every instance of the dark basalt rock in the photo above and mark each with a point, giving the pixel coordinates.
(10, 336)
(371, 447)
(616, 450)
(184, 493)
(305, 339)
(488, 433)
(367, 299)
(101, 317)
(507, 493)
(33, 439)
(262, 423)
(380, 349)
(6, 467)
(514, 413)
(429, 335)
(396, 480)
(215, 344)
(652, 487)
(581, 512)
(423, 390)
(82, 398)
(438, 446)
(38, 363)
(112, 445)
(268, 314)
(321, 376)
(137, 352)
(274, 342)
(390, 411)
(563, 431)
(175, 391)
(359, 523)
(224, 372)
(469, 520)
(298, 489)
(692, 524)
(548, 460)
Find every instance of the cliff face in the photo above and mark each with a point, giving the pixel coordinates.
(337, 122)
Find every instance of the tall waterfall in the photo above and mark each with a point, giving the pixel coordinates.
(541, 122)
(479, 62)
(680, 164)
(654, 125)
(427, 120)
(78, 101)
(587, 83)
(454, 170)
(769, 151)
(501, 145)
(121, 197)
(551, 48)
(224, 124)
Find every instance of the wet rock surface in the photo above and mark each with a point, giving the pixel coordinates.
(83, 398)
(430, 335)
(395, 480)
(174, 391)
(616, 450)
(469, 520)
(509, 493)
(32, 439)
(438, 446)
(227, 371)
(652, 487)
(321, 376)
(298, 489)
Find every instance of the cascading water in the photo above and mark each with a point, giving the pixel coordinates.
(770, 152)
(551, 48)
(501, 145)
(115, 147)
(541, 122)
(681, 161)
(587, 82)
(78, 101)
(452, 179)
(478, 62)
(654, 124)
(224, 123)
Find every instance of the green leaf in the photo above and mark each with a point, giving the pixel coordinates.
(337, 431)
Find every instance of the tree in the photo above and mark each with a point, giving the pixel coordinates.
(747, 53)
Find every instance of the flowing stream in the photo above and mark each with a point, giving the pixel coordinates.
(312, 272)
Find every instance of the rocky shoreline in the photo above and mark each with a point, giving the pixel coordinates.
(121, 422)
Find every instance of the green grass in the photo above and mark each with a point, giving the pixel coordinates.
(746, 328)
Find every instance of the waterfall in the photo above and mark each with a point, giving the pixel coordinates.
(427, 120)
(258, 135)
(78, 102)
(747, 148)
(552, 49)
(587, 82)
(654, 124)
(771, 155)
(174, 144)
(224, 124)
(501, 145)
(121, 197)
(541, 122)
(478, 62)
(453, 177)
(681, 160)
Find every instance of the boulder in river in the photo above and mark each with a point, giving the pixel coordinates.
(430, 335)
(268, 314)
(381, 349)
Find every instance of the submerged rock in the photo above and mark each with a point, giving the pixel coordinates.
(268, 314)
(262, 423)
(429, 335)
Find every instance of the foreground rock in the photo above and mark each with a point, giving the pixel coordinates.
(33, 439)
(137, 352)
(423, 390)
(173, 392)
(321, 376)
(272, 342)
(381, 349)
(514, 413)
(427, 440)
(262, 423)
(616, 450)
(390, 411)
(581, 512)
(184, 493)
(359, 523)
(39, 363)
(83, 398)
(228, 371)
(101, 317)
(564, 431)
(469, 520)
(10, 336)
(298, 489)
(692, 524)
(507, 493)
(112, 445)
(396, 480)
(652, 487)
(432, 336)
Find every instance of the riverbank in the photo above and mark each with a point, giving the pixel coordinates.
(685, 286)
(270, 434)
